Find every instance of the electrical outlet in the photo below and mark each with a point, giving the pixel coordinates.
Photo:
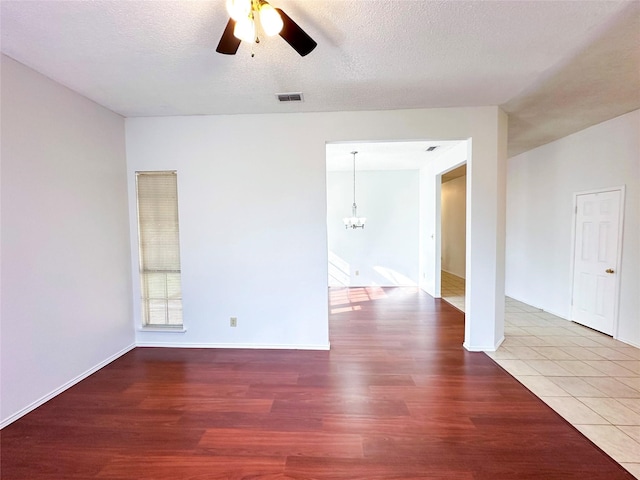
(357, 272)
(233, 321)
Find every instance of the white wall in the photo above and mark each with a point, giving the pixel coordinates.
(66, 301)
(541, 185)
(453, 217)
(485, 230)
(385, 252)
(253, 217)
(431, 214)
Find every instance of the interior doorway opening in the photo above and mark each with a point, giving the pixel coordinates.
(396, 186)
(453, 236)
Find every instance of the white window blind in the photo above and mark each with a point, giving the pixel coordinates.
(159, 243)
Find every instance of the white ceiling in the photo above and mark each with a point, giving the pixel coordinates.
(148, 58)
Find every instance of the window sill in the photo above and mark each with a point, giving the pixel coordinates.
(163, 329)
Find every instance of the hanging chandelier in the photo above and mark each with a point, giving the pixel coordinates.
(354, 221)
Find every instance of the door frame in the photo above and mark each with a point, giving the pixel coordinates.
(616, 295)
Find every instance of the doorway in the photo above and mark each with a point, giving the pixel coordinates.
(389, 190)
(453, 236)
(596, 258)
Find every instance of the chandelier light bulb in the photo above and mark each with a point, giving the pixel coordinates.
(270, 19)
(245, 29)
(239, 9)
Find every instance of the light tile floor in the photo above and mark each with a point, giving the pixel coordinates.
(452, 289)
(590, 379)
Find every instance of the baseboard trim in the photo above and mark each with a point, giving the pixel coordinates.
(562, 317)
(488, 348)
(234, 346)
(454, 274)
(21, 413)
(628, 342)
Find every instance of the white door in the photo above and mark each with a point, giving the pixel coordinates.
(598, 221)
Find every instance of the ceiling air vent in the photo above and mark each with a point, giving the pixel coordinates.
(431, 149)
(289, 97)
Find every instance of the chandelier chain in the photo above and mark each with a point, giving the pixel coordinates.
(354, 178)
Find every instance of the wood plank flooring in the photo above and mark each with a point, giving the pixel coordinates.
(397, 397)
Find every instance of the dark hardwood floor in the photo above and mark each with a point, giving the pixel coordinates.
(397, 397)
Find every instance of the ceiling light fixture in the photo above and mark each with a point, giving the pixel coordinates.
(354, 221)
(242, 27)
(244, 13)
(270, 19)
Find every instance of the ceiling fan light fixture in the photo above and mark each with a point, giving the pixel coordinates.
(238, 9)
(245, 29)
(270, 19)
(273, 21)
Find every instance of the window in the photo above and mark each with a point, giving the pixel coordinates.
(159, 243)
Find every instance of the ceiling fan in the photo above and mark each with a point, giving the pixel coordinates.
(242, 26)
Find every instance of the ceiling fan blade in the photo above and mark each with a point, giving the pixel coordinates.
(295, 36)
(228, 42)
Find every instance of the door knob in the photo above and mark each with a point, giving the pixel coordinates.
(609, 270)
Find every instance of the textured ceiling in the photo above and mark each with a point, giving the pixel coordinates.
(148, 58)
(599, 82)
